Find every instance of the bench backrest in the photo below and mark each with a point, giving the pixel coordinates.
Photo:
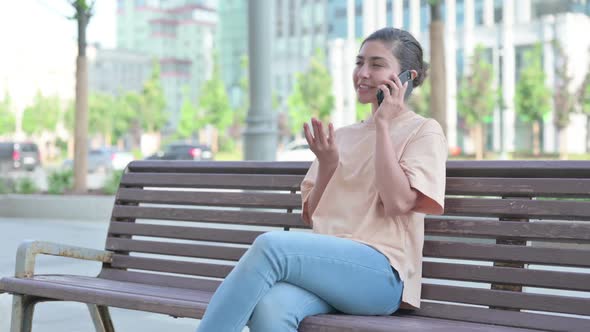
(515, 235)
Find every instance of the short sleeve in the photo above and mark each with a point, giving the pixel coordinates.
(308, 182)
(424, 163)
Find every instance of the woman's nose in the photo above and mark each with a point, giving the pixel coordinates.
(363, 71)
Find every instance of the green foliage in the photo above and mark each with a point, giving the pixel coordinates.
(60, 181)
(584, 93)
(477, 96)
(112, 183)
(6, 185)
(7, 118)
(152, 102)
(419, 101)
(532, 97)
(312, 95)
(42, 115)
(25, 186)
(191, 119)
(563, 99)
(214, 103)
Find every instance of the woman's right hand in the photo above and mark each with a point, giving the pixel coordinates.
(324, 147)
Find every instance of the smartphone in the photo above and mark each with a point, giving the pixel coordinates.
(404, 77)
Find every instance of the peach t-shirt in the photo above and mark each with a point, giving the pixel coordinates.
(350, 205)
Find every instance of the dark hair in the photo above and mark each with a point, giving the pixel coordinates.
(405, 48)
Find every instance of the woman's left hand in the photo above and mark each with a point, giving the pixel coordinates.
(393, 103)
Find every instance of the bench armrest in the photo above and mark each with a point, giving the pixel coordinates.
(28, 250)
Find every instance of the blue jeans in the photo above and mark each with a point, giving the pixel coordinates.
(287, 276)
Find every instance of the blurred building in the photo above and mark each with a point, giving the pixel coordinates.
(179, 34)
(232, 42)
(116, 71)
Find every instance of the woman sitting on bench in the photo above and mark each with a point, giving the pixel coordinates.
(365, 195)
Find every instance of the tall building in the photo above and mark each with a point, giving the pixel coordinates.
(507, 29)
(179, 35)
(117, 71)
(232, 46)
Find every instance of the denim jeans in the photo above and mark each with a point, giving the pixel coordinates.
(287, 276)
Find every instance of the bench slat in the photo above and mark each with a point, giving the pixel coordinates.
(505, 275)
(503, 317)
(171, 266)
(176, 308)
(274, 219)
(220, 199)
(518, 168)
(218, 181)
(160, 279)
(512, 208)
(184, 233)
(507, 253)
(511, 187)
(507, 299)
(493, 228)
(175, 249)
(220, 167)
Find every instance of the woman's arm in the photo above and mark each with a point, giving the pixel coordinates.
(392, 184)
(326, 151)
(325, 172)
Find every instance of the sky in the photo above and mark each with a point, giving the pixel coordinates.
(39, 46)
(44, 22)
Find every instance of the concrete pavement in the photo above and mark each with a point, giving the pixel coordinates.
(67, 316)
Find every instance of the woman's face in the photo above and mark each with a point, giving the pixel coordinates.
(374, 65)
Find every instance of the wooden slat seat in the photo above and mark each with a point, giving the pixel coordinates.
(511, 252)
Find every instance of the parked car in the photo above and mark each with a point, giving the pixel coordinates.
(182, 151)
(296, 151)
(19, 155)
(105, 160)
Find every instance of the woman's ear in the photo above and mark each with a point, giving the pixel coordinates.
(414, 74)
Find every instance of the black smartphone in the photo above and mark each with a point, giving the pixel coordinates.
(404, 77)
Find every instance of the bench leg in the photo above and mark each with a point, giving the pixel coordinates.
(101, 318)
(22, 313)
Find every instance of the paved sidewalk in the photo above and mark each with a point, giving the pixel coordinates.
(68, 316)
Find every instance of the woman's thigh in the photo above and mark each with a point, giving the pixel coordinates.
(351, 276)
(284, 307)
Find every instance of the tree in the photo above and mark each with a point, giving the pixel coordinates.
(7, 118)
(419, 101)
(563, 99)
(42, 115)
(191, 120)
(583, 101)
(312, 94)
(532, 96)
(214, 103)
(239, 118)
(437, 60)
(477, 98)
(83, 13)
(153, 102)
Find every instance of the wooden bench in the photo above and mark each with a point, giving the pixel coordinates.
(511, 253)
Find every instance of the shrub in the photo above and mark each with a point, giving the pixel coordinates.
(25, 186)
(60, 181)
(112, 183)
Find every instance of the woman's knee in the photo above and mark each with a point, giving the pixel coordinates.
(270, 240)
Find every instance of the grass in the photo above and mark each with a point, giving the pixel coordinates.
(233, 155)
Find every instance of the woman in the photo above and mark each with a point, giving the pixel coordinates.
(365, 195)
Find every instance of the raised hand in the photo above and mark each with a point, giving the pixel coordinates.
(324, 147)
(393, 102)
